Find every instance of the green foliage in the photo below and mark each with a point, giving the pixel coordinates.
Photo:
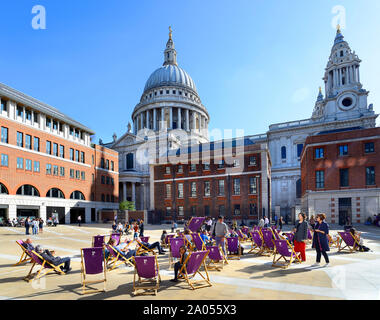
(127, 205)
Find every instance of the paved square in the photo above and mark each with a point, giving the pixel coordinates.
(349, 276)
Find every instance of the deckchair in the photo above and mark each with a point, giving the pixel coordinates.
(165, 244)
(276, 234)
(175, 244)
(148, 273)
(233, 248)
(37, 259)
(191, 267)
(117, 237)
(290, 236)
(216, 258)
(257, 246)
(142, 249)
(245, 230)
(198, 242)
(285, 250)
(93, 263)
(144, 239)
(115, 258)
(98, 241)
(242, 237)
(351, 244)
(25, 257)
(195, 223)
(269, 244)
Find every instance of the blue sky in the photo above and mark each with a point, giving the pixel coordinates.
(254, 62)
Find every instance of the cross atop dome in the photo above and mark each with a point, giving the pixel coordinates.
(170, 52)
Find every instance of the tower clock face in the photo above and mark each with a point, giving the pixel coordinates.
(347, 101)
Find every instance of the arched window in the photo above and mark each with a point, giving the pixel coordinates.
(55, 193)
(283, 152)
(28, 190)
(3, 189)
(77, 195)
(130, 161)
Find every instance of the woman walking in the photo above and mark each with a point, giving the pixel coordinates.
(320, 239)
(300, 236)
(27, 226)
(41, 225)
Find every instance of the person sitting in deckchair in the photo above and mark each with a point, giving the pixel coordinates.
(49, 257)
(178, 265)
(122, 248)
(205, 238)
(27, 244)
(359, 240)
(163, 236)
(155, 245)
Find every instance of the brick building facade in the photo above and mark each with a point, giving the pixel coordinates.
(212, 179)
(341, 174)
(48, 164)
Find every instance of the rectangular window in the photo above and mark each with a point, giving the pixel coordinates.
(55, 170)
(71, 154)
(343, 174)
(167, 170)
(168, 191)
(61, 151)
(83, 175)
(28, 141)
(20, 163)
(102, 165)
(319, 153)
(36, 166)
(180, 211)
(207, 189)
(193, 189)
(252, 161)
(77, 155)
(103, 180)
(77, 174)
(107, 163)
(206, 166)
(48, 168)
(4, 135)
(112, 182)
(20, 111)
(48, 122)
(193, 167)
(35, 117)
(112, 166)
(252, 185)
(370, 178)
(4, 160)
(168, 211)
(48, 147)
(369, 147)
(193, 211)
(28, 115)
(3, 106)
(180, 169)
(28, 165)
(221, 191)
(222, 210)
(82, 157)
(107, 180)
(237, 209)
(62, 171)
(252, 209)
(36, 144)
(55, 149)
(343, 150)
(207, 211)
(319, 179)
(20, 139)
(55, 125)
(221, 164)
(180, 190)
(71, 131)
(72, 173)
(299, 149)
(237, 186)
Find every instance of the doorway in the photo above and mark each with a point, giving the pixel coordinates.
(345, 210)
(75, 213)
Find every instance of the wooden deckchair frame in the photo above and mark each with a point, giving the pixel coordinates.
(254, 246)
(85, 282)
(244, 238)
(182, 274)
(279, 264)
(45, 265)
(25, 257)
(268, 250)
(200, 238)
(155, 282)
(350, 249)
(217, 265)
(143, 249)
(114, 262)
(171, 258)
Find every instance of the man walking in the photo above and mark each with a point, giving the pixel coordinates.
(79, 220)
(220, 231)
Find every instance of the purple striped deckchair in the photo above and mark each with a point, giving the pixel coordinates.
(37, 259)
(268, 240)
(195, 223)
(216, 258)
(93, 263)
(148, 273)
(98, 241)
(191, 268)
(285, 250)
(175, 244)
(233, 248)
(351, 245)
(257, 246)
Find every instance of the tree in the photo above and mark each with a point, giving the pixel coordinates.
(127, 205)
